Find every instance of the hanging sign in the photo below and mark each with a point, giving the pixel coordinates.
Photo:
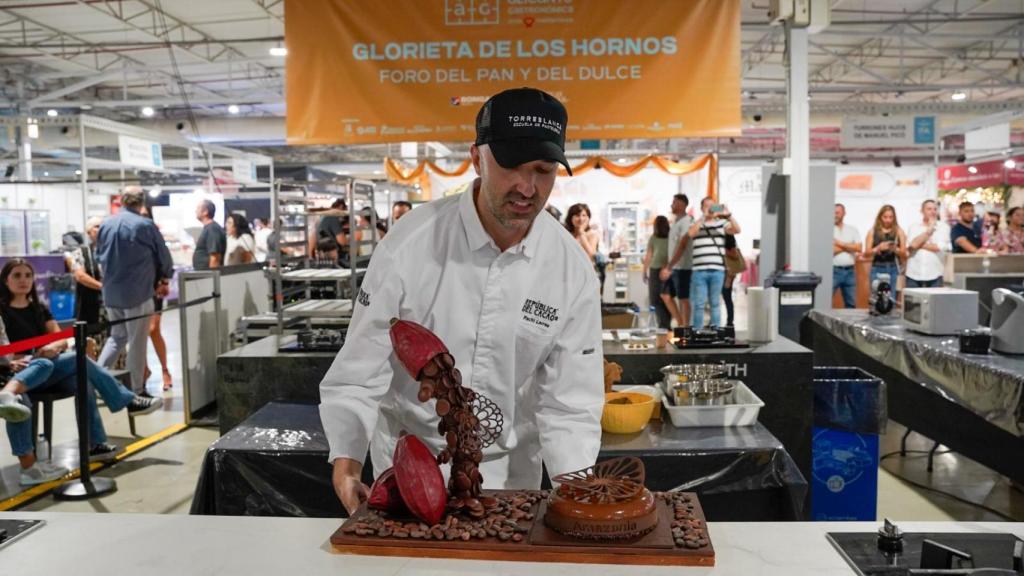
(887, 131)
(244, 170)
(418, 70)
(140, 153)
(979, 174)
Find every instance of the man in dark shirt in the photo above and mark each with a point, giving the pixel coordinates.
(966, 233)
(212, 243)
(136, 265)
(336, 227)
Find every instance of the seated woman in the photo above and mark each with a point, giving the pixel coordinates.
(49, 368)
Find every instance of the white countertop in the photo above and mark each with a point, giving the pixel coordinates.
(144, 544)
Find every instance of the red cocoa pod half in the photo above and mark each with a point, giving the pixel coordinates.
(385, 496)
(419, 479)
(414, 345)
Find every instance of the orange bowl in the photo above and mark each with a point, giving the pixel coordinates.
(627, 418)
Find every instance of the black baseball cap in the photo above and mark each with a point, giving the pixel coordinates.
(522, 125)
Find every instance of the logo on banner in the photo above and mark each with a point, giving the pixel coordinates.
(472, 12)
(924, 129)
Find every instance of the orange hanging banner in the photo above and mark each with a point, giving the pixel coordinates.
(396, 173)
(418, 70)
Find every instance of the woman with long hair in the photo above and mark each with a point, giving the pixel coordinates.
(886, 245)
(155, 335)
(1011, 239)
(577, 222)
(49, 367)
(241, 244)
(656, 258)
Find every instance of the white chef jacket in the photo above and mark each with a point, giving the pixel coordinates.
(924, 264)
(524, 327)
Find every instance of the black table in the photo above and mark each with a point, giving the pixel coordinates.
(780, 373)
(973, 404)
(275, 464)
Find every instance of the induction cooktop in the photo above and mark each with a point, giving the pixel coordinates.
(891, 552)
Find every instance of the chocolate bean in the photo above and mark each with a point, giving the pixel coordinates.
(452, 439)
(504, 536)
(442, 427)
(425, 393)
(443, 407)
(517, 537)
(446, 360)
(462, 481)
(437, 533)
(429, 370)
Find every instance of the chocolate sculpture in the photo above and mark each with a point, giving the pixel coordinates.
(469, 422)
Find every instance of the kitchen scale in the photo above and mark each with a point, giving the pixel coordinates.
(689, 338)
(891, 552)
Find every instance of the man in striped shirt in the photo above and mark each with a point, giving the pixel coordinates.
(708, 238)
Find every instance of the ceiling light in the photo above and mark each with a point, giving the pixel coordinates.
(33, 130)
(972, 169)
(85, 107)
(1010, 163)
(46, 173)
(233, 109)
(147, 111)
(52, 113)
(154, 191)
(959, 96)
(78, 172)
(279, 51)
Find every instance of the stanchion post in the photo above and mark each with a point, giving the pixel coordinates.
(86, 486)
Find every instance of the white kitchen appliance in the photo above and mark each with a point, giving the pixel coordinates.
(1007, 321)
(939, 311)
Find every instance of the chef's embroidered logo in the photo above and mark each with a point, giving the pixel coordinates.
(363, 298)
(539, 313)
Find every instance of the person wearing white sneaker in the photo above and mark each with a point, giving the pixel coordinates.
(51, 368)
(12, 410)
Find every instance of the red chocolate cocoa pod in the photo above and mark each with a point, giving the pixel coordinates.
(414, 345)
(385, 496)
(419, 479)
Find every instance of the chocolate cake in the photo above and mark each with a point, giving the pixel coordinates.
(607, 501)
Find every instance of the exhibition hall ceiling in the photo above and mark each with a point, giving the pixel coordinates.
(132, 59)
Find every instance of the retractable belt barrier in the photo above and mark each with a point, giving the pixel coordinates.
(86, 486)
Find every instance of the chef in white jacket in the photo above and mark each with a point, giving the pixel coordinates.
(509, 292)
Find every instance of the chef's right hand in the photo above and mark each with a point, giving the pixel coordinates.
(348, 484)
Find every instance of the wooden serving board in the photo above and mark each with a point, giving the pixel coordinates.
(542, 544)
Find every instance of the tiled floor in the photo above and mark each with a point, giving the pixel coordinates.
(162, 478)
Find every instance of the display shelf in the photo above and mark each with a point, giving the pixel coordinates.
(318, 309)
(321, 274)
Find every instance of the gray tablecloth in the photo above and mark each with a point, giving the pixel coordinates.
(991, 386)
